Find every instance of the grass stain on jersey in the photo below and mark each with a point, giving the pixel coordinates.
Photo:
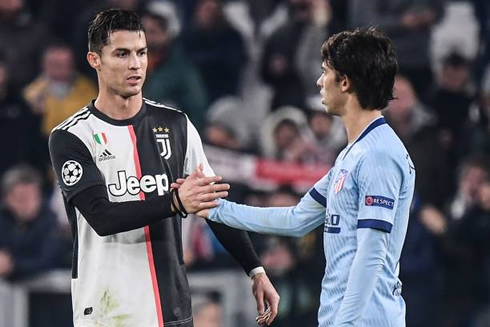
(108, 304)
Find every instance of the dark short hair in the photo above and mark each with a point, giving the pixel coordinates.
(367, 57)
(109, 21)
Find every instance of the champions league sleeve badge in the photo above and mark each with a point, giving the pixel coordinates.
(71, 172)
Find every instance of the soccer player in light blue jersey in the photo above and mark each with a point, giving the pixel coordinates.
(363, 201)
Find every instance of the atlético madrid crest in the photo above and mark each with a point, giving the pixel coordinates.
(162, 136)
(339, 182)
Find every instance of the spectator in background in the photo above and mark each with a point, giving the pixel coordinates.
(417, 128)
(19, 128)
(285, 137)
(329, 139)
(172, 78)
(467, 257)
(22, 40)
(472, 173)
(451, 102)
(28, 231)
(421, 270)
(289, 59)
(60, 90)
(409, 24)
(207, 311)
(216, 48)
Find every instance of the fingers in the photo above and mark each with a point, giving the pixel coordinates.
(202, 181)
(273, 301)
(213, 196)
(259, 297)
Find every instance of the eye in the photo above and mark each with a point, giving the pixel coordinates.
(121, 54)
(143, 53)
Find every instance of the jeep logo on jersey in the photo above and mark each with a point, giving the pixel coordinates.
(71, 172)
(133, 185)
(163, 142)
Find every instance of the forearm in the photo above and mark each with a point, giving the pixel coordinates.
(238, 244)
(108, 218)
(368, 263)
(287, 221)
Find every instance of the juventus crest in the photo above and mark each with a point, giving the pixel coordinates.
(163, 142)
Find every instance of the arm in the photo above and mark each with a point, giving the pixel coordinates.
(367, 264)
(237, 243)
(299, 220)
(289, 221)
(88, 191)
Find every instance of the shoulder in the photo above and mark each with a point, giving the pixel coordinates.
(80, 115)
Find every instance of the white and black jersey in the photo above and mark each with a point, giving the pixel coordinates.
(128, 267)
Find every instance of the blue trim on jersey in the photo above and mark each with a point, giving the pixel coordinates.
(318, 197)
(375, 224)
(332, 230)
(374, 124)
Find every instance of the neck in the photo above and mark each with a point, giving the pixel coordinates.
(118, 107)
(356, 120)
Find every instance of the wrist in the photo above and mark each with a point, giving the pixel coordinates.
(256, 271)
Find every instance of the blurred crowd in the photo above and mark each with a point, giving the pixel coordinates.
(245, 73)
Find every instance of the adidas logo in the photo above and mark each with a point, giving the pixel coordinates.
(106, 155)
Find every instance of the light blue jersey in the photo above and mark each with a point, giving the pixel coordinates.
(364, 204)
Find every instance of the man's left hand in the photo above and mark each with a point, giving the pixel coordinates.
(264, 293)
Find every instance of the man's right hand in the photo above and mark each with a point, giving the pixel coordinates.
(198, 193)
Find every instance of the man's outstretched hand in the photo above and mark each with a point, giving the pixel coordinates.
(199, 193)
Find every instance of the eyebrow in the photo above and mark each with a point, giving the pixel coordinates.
(128, 50)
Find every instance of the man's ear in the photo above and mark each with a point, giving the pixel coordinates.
(345, 84)
(93, 59)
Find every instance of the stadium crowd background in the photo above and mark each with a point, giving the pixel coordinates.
(245, 72)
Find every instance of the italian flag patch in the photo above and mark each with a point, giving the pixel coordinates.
(100, 138)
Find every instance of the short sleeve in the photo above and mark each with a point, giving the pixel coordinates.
(379, 180)
(73, 165)
(195, 152)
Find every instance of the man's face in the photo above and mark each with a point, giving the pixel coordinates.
(123, 63)
(58, 64)
(332, 96)
(24, 201)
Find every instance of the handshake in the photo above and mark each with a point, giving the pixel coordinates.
(197, 193)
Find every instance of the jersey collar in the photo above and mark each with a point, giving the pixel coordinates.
(375, 123)
(117, 122)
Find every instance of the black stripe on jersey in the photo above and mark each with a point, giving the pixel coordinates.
(72, 218)
(76, 121)
(166, 234)
(69, 120)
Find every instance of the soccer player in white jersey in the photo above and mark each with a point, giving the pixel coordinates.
(363, 201)
(114, 160)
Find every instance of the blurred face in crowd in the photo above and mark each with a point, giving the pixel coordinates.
(122, 65)
(471, 180)
(220, 136)
(484, 196)
(210, 315)
(58, 64)
(24, 201)
(285, 134)
(301, 10)
(401, 107)
(10, 7)
(455, 77)
(333, 97)
(320, 124)
(208, 13)
(157, 36)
